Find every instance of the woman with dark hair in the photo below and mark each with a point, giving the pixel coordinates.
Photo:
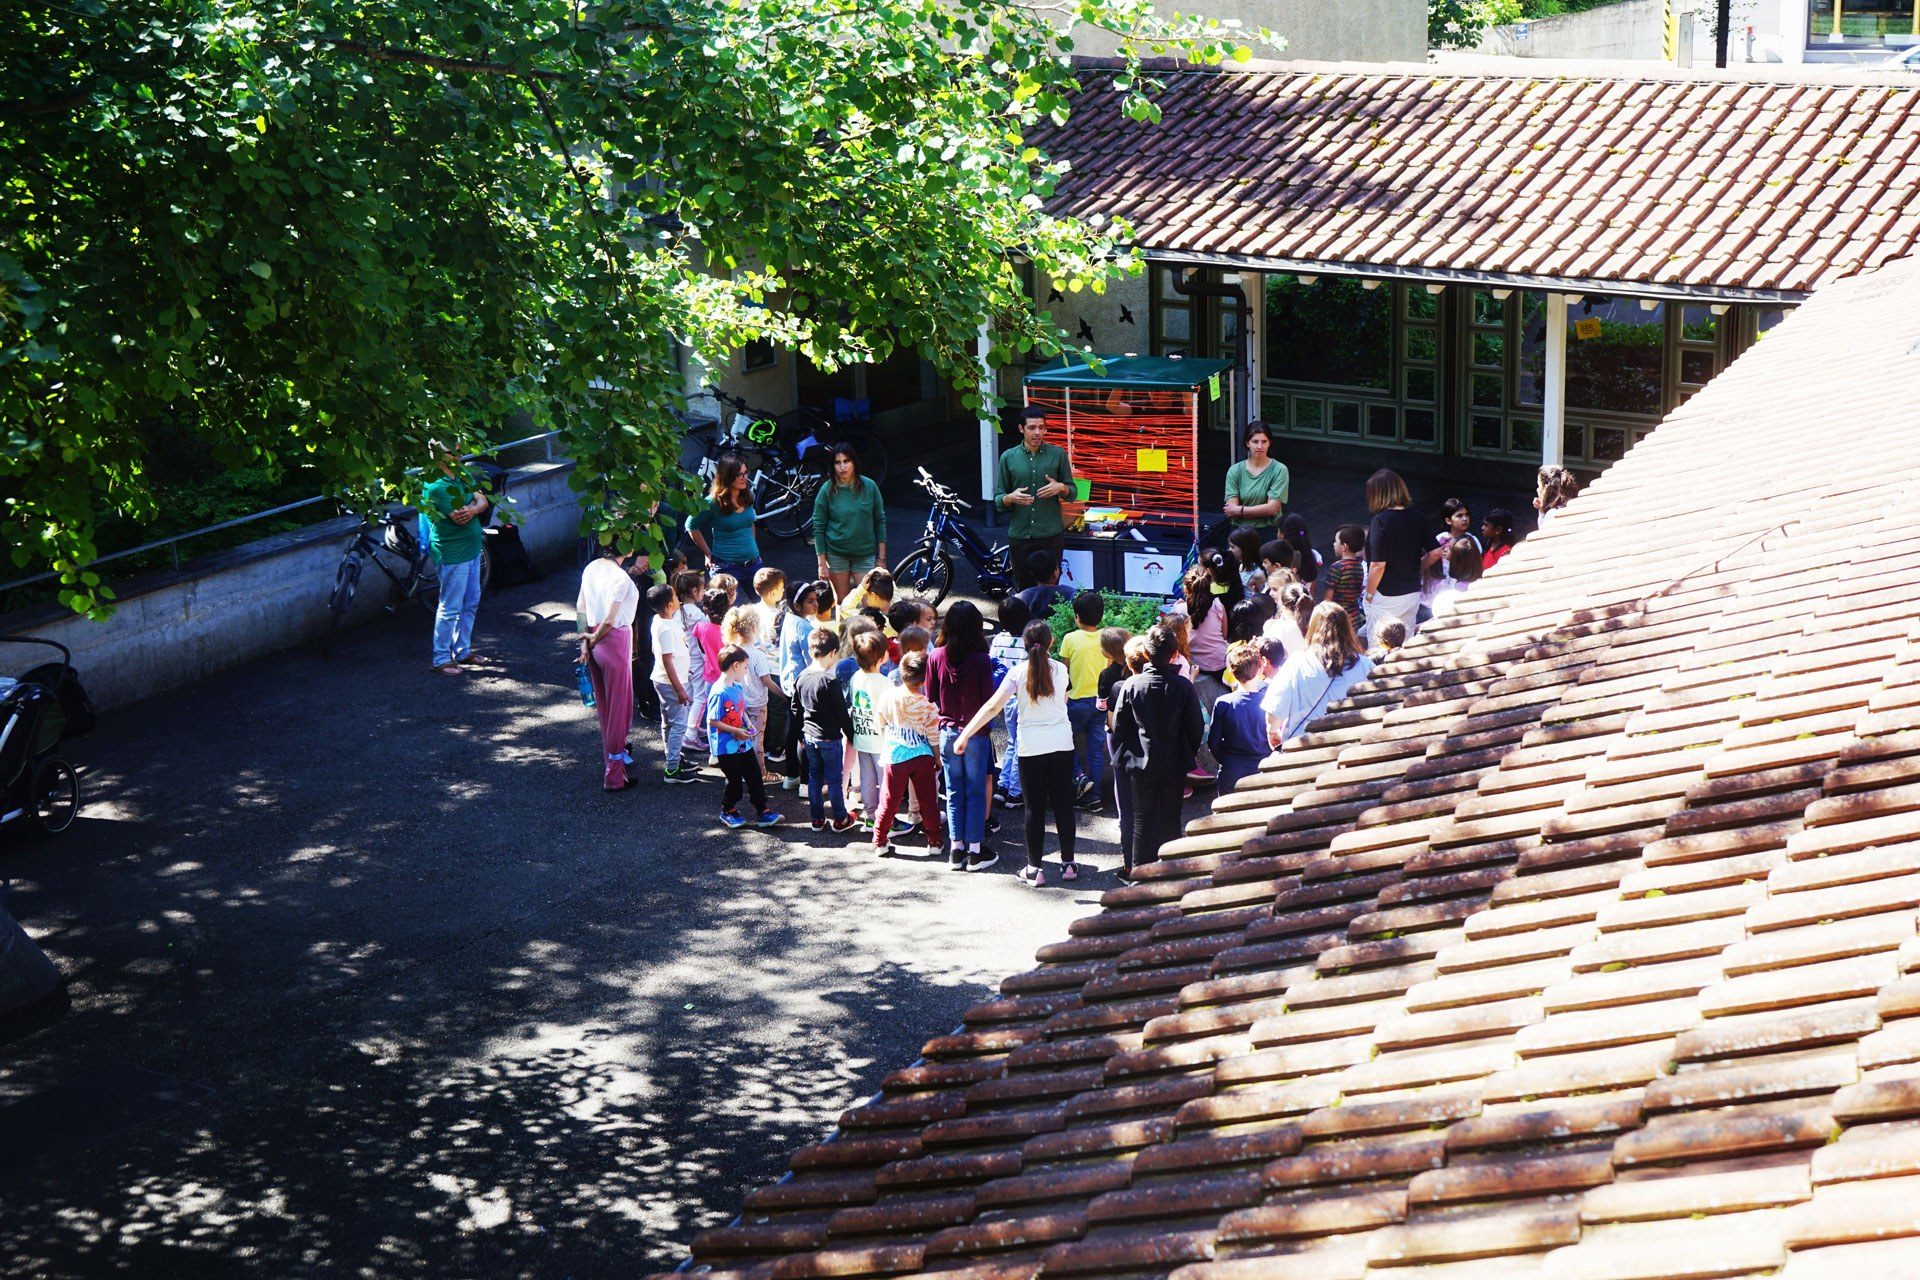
(849, 523)
(1039, 687)
(959, 683)
(723, 528)
(1257, 485)
(1317, 676)
(1397, 542)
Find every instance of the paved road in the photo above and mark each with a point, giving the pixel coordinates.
(453, 1009)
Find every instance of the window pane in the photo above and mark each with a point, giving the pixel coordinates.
(1609, 444)
(1488, 309)
(1421, 305)
(1309, 415)
(1344, 417)
(1331, 331)
(1176, 324)
(1696, 367)
(1383, 421)
(1698, 324)
(1422, 343)
(1273, 410)
(1489, 350)
(1419, 425)
(1487, 392)
(1420, 384)
(1618, 368)
(1526, 435)
(1484, 431)
(1533, 349)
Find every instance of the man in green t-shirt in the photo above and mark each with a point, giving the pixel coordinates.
(1028, 484)
(453, 504)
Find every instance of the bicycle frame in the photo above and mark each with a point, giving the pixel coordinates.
(945, 526)
(366, 548)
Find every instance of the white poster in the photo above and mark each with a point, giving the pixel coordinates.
(1076, 571)
(1151, 573)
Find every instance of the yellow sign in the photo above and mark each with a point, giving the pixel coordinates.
(1150, 460)
(1588, 328)
(1213, 391)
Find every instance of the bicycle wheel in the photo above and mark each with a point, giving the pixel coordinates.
(926, 574)
(56, 795)
(790, 498)
(340, 601)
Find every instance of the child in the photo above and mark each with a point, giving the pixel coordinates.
(1496, 536)
(728, 583)
(1393, 634)
(1157, 731)
(1040, 600)
(912, 736)
(1134, 655)
(901, 616)
(868, 688)
(670, 676)
(1277, 561)
(1306, 561)
(741, 628)
(1238, 735)
(1005, 653)
(689, 587)
(796, 655)
(1246, 546)
(770, 585)
(913, 639)
(733, 741)
(1113, 647)
(1347, 576)
(1248, 618)
(1463, 570)
(871, 596)
(824, 725)
(1081, 651)
(708, 641)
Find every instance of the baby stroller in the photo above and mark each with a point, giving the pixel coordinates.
(38, 787)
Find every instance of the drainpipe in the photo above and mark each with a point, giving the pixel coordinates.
(1242, 378)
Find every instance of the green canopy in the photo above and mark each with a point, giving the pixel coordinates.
(1151, 373)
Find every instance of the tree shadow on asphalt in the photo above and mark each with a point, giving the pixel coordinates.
(461, 1012)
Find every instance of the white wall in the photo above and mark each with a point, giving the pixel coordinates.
(1633, 29)
(1319, 30)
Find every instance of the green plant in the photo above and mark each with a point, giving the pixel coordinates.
(1135, 614)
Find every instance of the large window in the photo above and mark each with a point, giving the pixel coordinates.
(1346, 361)
(1861, 22)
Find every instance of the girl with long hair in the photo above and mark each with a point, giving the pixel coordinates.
(1320, 674)
(723, 528)
(1038, 686)
(959, 683)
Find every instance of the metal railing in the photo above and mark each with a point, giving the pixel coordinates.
(171, 544)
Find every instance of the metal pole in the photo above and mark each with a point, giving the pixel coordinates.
(989, 436)
(1725, 30)
(1553, 429)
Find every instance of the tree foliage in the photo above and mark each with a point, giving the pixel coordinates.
(340, 231)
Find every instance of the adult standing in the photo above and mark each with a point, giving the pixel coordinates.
(608, 600)
(1038, 686)
(722, 529)
(960, 682)
(1257, 486)
(1318, 676)
(1397, 541)
(453, 505)
(1157, 733)
(849, 523)
(1028, 484)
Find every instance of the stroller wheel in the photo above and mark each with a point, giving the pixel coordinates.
(56, 795)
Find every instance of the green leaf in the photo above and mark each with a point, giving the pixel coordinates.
(260, 269)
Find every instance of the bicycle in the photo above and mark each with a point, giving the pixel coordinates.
(397, 540)
(927, 571)
(788, 458)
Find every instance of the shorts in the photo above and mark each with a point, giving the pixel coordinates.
(858, 566)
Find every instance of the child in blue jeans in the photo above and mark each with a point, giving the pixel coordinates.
(1005, 653)
(825, 727)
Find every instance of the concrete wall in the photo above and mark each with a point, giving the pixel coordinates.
(1350, 31)
(1632, 29)
(173, 628)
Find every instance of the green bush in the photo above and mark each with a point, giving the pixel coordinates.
(1135, 613)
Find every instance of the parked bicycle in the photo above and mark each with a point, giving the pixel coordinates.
(394, 536)
(926, 572)
(788, 458)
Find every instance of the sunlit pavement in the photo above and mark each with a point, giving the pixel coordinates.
(368, 977)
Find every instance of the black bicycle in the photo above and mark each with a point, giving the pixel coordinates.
(391, 536)
(926, 572)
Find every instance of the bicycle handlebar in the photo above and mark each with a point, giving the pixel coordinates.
(940, 492)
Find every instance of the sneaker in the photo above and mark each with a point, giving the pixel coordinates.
(905, 827)
(818, 825)
(1199, 777)
(768, 818)
(733, 820)
(1090, 804)
(840, 826)
(1006, 801)
(957, 859)
(981, 858)
(1082, 786)
(789, 784)
(1070, 872)
(680, 775)
(1034, 876)
(883, 850)
(993, 823)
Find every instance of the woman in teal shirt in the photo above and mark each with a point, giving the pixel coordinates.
(1257, 486)
(849, 524)
(723, 528)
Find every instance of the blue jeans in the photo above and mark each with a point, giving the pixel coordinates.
(673, 722)
(1089, 724)
(969, 774)
(823, 779)
(1010, 766)
(453, 617)
(742, 571)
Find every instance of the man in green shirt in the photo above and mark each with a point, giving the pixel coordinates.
(453, 504)
(1028, 484)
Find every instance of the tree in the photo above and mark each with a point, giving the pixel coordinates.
(342, 231)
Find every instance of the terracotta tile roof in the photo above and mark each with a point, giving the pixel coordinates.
(1671, 183)
(1578, 944)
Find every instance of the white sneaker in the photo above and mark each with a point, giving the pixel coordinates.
(1034, 876)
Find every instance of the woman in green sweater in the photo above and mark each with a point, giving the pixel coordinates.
(849, 523)
(1257, 486)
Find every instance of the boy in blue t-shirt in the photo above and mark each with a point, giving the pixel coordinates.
(732, 733)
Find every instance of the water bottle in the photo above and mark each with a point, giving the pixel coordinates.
(585, 680)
